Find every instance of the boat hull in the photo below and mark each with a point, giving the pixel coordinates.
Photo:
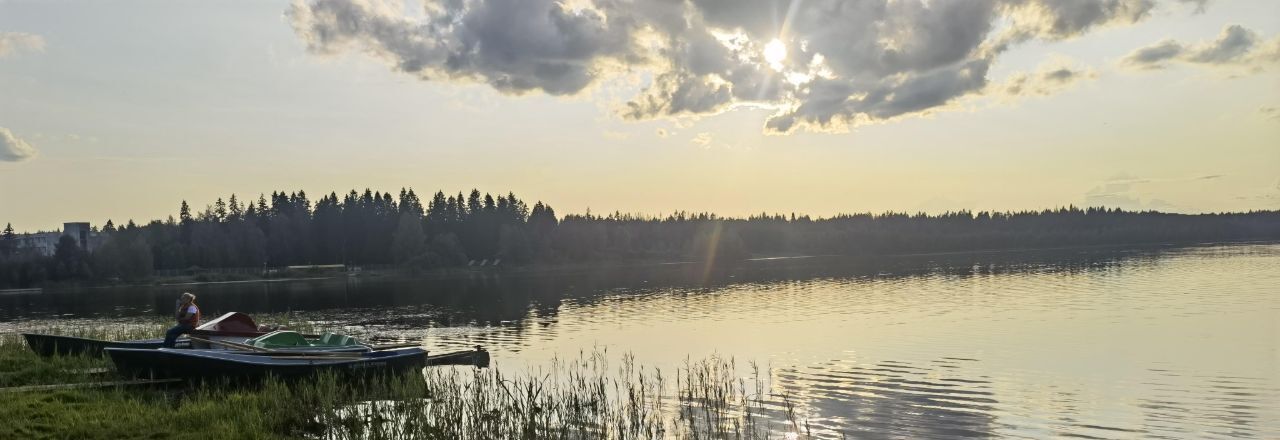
(236, 366)
(56, 345)
(478, 358)
(233, 326)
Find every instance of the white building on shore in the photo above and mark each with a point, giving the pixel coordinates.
(46, 243)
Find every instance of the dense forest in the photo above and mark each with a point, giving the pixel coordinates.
(381, 229)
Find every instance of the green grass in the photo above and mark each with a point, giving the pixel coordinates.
(586, 397)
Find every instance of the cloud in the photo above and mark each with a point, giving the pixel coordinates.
(1269, 195)
(515, 46)
(1155, 55)
(1269, 113)
(702, 139)
(13, 149)
(1235, 46)
(1201, 5)
(675, 94)
(1059, 19)
(1132, 193)
(1049, 78)
(847, 62)
(12, 43)
(1125, 194)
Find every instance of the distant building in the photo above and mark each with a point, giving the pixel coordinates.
(46, 243)
(79, 231)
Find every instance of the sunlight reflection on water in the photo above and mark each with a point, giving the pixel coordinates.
(1173, 344)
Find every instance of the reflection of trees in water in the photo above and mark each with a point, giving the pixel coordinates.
(889, 400)
(1217, 406)
(493, 298)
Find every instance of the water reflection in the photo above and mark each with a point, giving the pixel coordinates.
(490, 297)
(889, 400)
(1160, 344)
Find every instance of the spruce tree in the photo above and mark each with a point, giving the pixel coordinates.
(220, 210)
(234, 209)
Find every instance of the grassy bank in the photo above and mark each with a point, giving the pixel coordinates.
(585, 397)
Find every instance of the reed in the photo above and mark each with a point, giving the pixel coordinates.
(593, 395)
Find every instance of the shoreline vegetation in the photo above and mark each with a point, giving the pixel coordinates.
(213, 277)
(588, 396)
(234, 241)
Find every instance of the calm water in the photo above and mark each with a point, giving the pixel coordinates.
(1155, 344)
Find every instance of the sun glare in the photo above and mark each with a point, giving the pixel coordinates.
(775, 53)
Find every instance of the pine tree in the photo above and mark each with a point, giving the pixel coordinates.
(7, 245)
(473, 203)
(219, 210)
(109, 227)
(184, 213)
(235, 209)
(409, 202)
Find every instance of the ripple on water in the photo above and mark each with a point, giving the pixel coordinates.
(1169, 344)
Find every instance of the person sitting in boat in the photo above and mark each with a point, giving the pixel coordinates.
(188, 315)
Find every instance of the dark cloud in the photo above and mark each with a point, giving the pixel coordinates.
(1155, 55)
(513, 45)
(1058, 19)
(848, 61)
(1236, 45)
(13, 149)
(676, 94)
(16, 42)
(1231, 46)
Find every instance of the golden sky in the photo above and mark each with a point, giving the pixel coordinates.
(119, 110)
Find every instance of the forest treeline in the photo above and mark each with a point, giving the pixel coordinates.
(376, 228)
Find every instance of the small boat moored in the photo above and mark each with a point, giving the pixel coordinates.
(235, 365)
(477, 358)
(234, 325)
(291, 340)
(57, 345)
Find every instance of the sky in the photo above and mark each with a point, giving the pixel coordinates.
(121, 110)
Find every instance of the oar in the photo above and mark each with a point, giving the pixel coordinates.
(393, 346)
(332, 354)
(232, 345)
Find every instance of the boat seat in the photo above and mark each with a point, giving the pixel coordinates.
(327, 338)
(279, 338)
(336, 340)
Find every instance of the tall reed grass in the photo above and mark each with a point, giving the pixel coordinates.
(590, 396)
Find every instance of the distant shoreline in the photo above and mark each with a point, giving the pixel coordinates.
(536, 269)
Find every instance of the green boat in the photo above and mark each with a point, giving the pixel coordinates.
(291, 340)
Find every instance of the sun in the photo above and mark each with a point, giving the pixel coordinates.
(775, 53)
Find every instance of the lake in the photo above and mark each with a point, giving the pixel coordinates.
(1161, 343)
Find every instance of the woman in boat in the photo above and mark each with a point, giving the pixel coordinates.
(188, 316)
